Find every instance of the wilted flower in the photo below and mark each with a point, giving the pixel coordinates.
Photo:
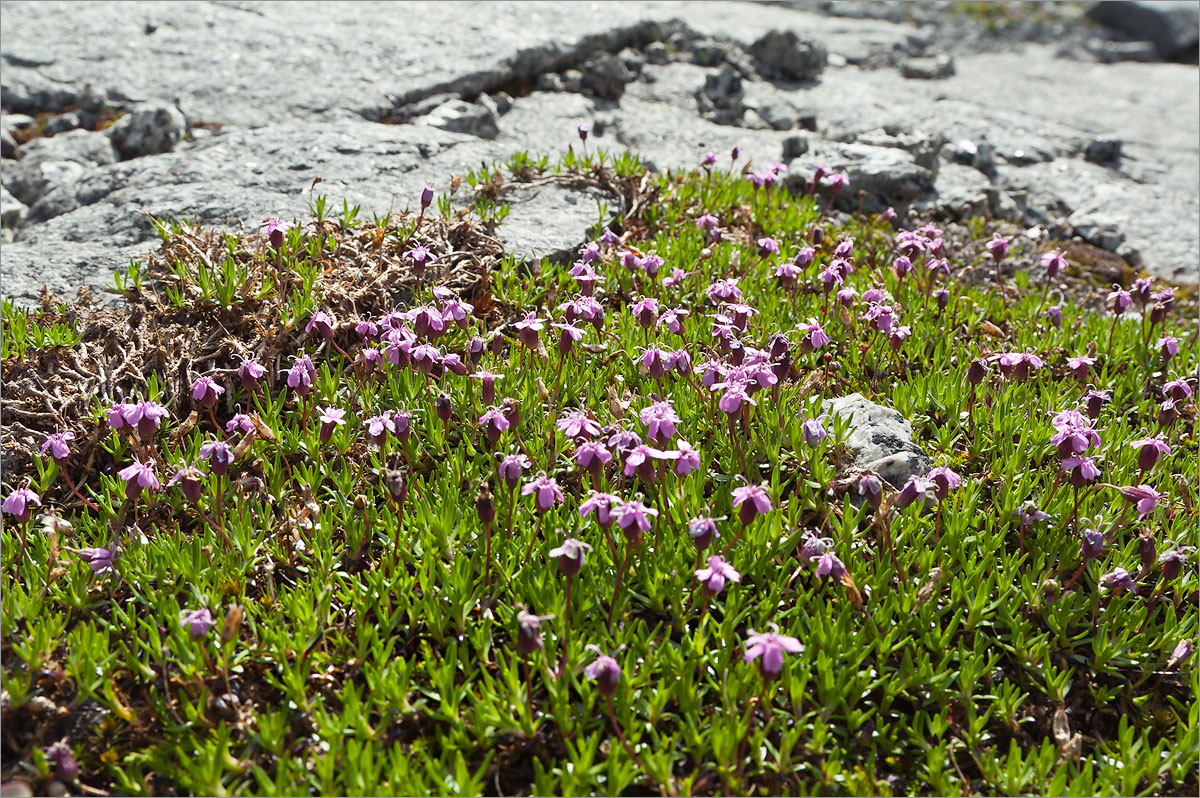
(1094, 401)
(1054, 313)
(1172, 560)
(770, 647)
(713, 578)
(426, 196)
(1092, 547)
(871, 487)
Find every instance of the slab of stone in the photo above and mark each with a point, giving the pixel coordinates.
(549, 221)
(880, 439)
(1173, 27)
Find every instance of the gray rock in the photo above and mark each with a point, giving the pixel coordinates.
(1173, 27)
(8, 145)
(503, 101)
(880, 177)
(12, 210)
(1098, 229)
(937, 67)
(785, 55)
(93, 99)
(880, 439)
(605, 76)
(784, 115)
(708, 52)
(11, 122)
(632, 59)
(794, 147)
(720, 100)
(961, 192)
(459, 116)
(29, 92)
(47, 163)
(1112, 52)
(657, 53)
(62, 123)
(572, 81)
(548, 222)
(1103, 150)
(549, 81)
(151, 129)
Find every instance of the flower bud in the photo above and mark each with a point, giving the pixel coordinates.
(396, 485)
(443, 407)
(426, 197)
(977, 371)
(485, 505)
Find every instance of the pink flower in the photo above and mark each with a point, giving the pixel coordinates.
(218, 454)
(511, 467)
(545, 491)
(197, 622)
(137, 476)
(321, 324)
(577, 423)
(660, 419)
(633, 518)
(1143, 497)
(331, 417)
(57, 446)
(528, 329)
(1150, 451)
(206, 391)
(602, 504)
(751, 501)
(688, 459)
(20, 503)
(275, 230)
(769, 648)
(713, 578)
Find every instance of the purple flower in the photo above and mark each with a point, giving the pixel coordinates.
(1172, 560)
(676, 278)
(830, 567)
(545, 491)
(494, 423)
(331, 417)
(713, 578)
(420, 256)
(687, 459)
(1118, 580)
(56, 444)
(379, 426)
(605, 672)
(1144, 497)
(804, 256)
(239, 423)
(1178, 389)
(428, 321)
(751, 501)
(206, 391)
(145, 416)
(275, 230)
(814, 431)
(572, 552)
(511, 467)
(1092, 547)
(99, 560)
(528, 329)
(813, 547)
(583, 131)
(702, 529)
(651, 264)
(672, 319)
(321, 324)
(814, 336)
(1094, 402)
(577, 423)
(724, 291)
(767, 246)
(218, 454)
(998, 246)
(603, 504)
(837, 180)
(20, 504)
(1119, 300)
(609, 239)
(870, 486)
(299, 378)
(916, 488)
(1054, 313)
(660, 419)
(1053, 262)
(1167, 346)
(488, 379)
(1082, 469)
(190, 481)
(1150, 451)
(630, 261)
(654, 362)
(1081, 365)
(587, 278)
(591, 456)
(633, 518)
(770, 647)
(197, 622)
(640, 459)
(529, 631)
(709, 159)
(425, 357)
(367, 330)
(138, 475)
(944, 480)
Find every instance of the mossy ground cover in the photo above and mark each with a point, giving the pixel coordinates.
(364, 587)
